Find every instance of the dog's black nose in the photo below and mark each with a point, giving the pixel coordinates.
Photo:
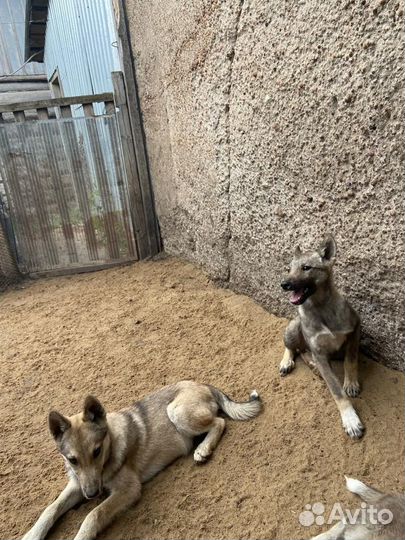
(287, 285)
(92, 494)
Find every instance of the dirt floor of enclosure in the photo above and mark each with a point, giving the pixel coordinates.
(124, 332)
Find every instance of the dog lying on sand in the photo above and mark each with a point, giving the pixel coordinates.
(390, 507)
(119, 451)
(326, 325)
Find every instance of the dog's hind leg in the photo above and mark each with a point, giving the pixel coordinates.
(195, 414)
(211, 440)
(69, 497)
(294, 344)
(351, 383)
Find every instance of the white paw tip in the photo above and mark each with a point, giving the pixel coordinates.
(352, 424)
(254, 395)
(200, 456)
(353, 485)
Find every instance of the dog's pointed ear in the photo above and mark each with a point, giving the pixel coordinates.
(297, 251)
(327, 249)
(58, 424)
(93, 411)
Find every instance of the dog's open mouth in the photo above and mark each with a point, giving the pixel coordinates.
(299, 296)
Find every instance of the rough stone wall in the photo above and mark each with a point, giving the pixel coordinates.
(270, 123)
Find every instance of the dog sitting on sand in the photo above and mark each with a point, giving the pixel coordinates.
(326, 325)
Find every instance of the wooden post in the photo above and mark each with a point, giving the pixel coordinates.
(131, 90)
(122, 183)
(135, 195)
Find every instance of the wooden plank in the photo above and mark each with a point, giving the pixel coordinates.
(121, 185)
(137, 129)
(88, 110)
(21, 88)
(24, 78)
(51, 135)
(109, 218)
(21, 223)
(9, 98)
(102, 180)
(65, 111)
(56, 102)
(134, 189)
(19, 116)
(23, 193)
(83, 269)
(79, 175)
(43, 114)
(31, 158)
(109, 107)
(29, 115)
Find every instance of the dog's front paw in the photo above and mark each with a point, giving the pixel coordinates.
(352, 388)
(201, 455)
(286, 367)
(352, 424)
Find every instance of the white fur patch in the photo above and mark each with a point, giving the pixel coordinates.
(352, 423)
(242, 411)
(254, 394)
(355, 486)
(201, 455)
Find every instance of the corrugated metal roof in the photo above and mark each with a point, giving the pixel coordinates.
(81, 44)
(12, 37)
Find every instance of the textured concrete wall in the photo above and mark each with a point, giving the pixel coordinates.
(269, 123)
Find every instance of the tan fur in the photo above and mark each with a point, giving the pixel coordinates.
(119, 451)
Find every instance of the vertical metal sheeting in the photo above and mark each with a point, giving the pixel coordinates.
(81, 44)
(67, 191)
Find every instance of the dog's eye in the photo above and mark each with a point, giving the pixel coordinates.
(306, 268)
(96, 452)
(73, 460)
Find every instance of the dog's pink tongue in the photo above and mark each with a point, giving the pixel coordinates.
(296, 297)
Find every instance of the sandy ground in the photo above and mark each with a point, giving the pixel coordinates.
(125, 332)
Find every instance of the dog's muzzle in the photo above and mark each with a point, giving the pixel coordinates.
(300, 291)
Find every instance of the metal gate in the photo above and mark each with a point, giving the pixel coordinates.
(71, 183)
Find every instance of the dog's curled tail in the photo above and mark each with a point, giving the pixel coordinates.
(238, 410)
(366, 493)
